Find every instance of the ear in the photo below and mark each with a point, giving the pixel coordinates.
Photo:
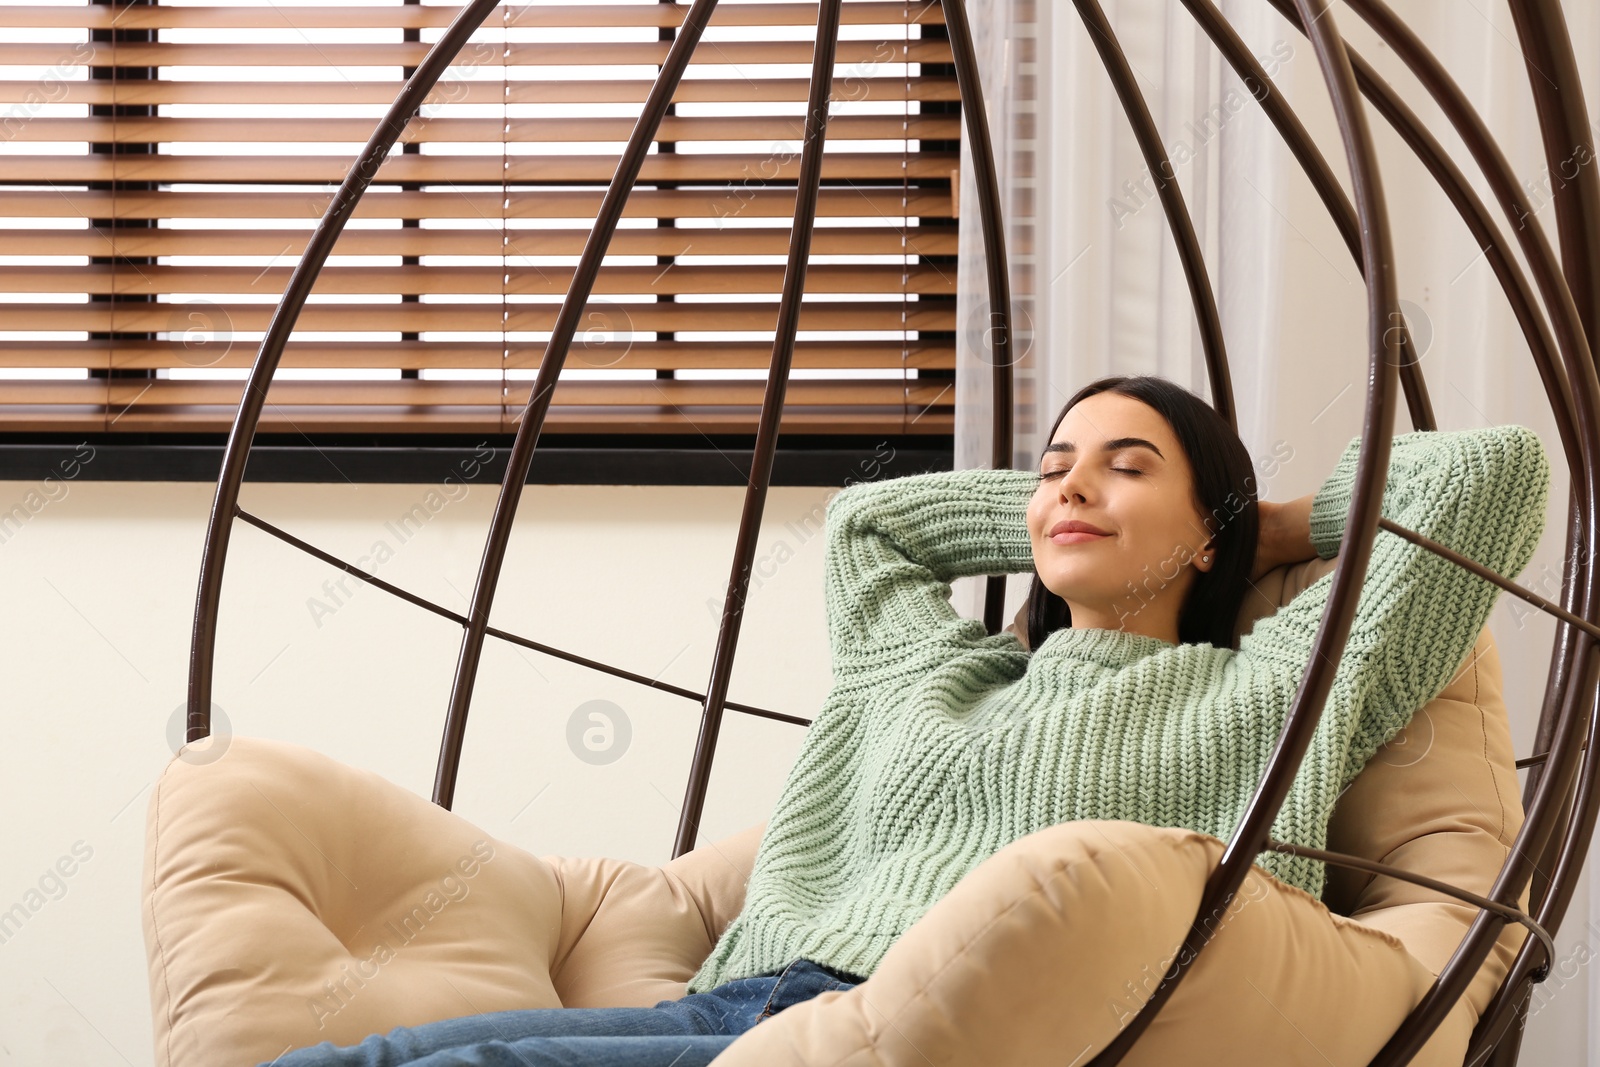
(1206, 558)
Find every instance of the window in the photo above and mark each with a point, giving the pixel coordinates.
(162, 165)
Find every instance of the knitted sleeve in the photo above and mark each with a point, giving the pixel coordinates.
(894, 546)
(1480, 492)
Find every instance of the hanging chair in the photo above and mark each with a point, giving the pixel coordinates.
(270, 871)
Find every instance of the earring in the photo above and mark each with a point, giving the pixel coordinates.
(1205, 559)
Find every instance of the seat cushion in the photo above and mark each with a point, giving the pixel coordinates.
(290, 899)
(632, 935)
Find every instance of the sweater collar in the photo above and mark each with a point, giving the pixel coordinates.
(1110, 648)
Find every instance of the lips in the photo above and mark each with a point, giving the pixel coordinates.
(1077, 526)
(1076, 531)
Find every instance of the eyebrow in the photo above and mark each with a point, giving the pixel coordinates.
(1116, 444)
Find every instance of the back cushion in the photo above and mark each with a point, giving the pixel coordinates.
(1440, 799)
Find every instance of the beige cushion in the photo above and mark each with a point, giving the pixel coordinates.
(1441, 799)
(290, 899)
(1044, 950)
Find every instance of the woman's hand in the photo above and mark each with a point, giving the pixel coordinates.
(1285, 534)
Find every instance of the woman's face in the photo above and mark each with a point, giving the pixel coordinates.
(1115, 465)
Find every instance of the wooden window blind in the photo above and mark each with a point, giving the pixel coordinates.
(162, 166)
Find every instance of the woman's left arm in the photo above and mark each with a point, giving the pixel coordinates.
(1480, 492)
(1285, 535)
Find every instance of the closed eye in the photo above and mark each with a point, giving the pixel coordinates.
(1119, 470)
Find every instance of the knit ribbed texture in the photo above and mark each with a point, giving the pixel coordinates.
(939, 744)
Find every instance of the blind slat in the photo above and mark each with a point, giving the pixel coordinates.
(272, 16)
(784, 165)
(744, 202)
(599, 53)
(543, 281)
(485, 90)
(118, 393)
(587, 419)
(664, 241)
(107, 130)
(327, 317)
(212, 350)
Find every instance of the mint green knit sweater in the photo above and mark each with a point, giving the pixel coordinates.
(939, 744)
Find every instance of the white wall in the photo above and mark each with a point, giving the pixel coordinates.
(100, 587)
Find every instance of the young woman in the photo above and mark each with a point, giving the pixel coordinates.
(939, 744)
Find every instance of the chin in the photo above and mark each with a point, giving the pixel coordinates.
(1062, 586)
(1071, 587)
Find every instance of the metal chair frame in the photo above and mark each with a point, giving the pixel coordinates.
(1562, 795)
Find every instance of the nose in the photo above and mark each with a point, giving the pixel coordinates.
(1073, 485)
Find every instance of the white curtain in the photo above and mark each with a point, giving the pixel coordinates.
(1098, 285)
(1099, 288)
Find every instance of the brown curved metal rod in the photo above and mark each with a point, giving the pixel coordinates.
(1377, 429)
(1514, 284)
(1489, 576)
(1496, 169)
(1311, 160)
(1558, 721)
(1360, 863)
(1569, 340)
(1490, 1032)
(1478, 943)
(807, 189)
(219, 527)
(1490, 1038)
(1003, 350)
(1578, 831)
(516, 639)
(1564, 123)
(1491, 242)
(1145, 132)
(1554, 789)
(1574, 846)
(533, 415)
(1576, 564)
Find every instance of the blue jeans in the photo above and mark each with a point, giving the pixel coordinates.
(688, 1032)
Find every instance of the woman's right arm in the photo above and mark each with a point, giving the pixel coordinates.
(894, 547)
(1480, 492)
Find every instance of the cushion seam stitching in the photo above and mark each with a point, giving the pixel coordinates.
(155, 924)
